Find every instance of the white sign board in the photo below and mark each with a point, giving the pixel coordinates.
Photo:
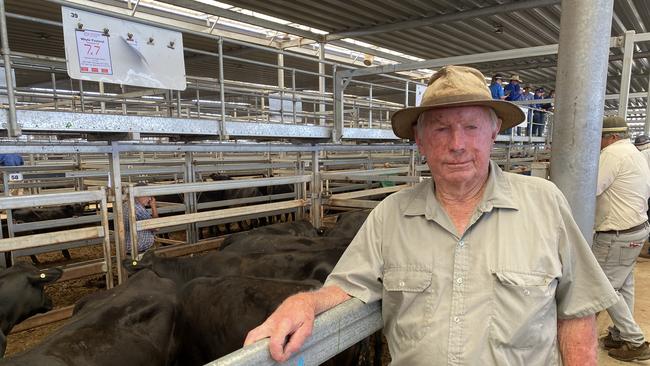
(419, 92)
(111, 50)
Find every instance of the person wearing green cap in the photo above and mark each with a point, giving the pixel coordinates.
(621, 229)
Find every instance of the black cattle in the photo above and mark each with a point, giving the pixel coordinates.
(131, 324)
(279, 189)
(293, 265)
(22, 295)
(23, 215)
(217, 328)
(300, 228)
(281, 243)
(47, 213)
(348, 224)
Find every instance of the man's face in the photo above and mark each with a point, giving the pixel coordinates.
(607, 140)
(457, 143)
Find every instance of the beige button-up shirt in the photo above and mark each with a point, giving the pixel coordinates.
(489, 297)
(623, 187)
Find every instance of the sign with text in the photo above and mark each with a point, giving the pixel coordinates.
(94, 52)
(112, 50)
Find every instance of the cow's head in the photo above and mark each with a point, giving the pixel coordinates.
(132, 265)
(22, 294)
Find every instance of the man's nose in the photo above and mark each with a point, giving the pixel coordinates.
(457, 139)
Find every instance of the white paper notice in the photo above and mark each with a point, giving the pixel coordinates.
(94, 52)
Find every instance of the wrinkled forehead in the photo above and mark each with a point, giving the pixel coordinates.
(457, 114)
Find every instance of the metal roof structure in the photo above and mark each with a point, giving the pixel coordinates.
(397, 31)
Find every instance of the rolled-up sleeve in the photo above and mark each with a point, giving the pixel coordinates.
(359, 270)
(583, 288)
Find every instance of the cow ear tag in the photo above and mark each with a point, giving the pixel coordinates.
(42, 275)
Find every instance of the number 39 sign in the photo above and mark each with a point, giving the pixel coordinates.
(94, 52)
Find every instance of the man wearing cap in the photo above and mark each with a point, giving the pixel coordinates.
(496, 87)
(474, 266)
(621, 229)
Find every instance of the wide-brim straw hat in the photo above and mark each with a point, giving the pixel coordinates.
(516, 78)
(456, 86)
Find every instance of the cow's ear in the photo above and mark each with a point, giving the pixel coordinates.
(45, 276)
(131, 265)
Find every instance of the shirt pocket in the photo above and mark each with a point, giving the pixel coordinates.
(407, 303)
(523, 312)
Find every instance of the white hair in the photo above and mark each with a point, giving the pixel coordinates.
(421, 122)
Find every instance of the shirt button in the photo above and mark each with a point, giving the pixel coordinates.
(401, 284)
(461, 243)
(526, 292)
(459, 280)
(457, 319)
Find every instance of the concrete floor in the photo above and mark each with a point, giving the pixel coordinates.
(641, 312)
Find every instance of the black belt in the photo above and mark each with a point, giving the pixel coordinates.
(626, 231)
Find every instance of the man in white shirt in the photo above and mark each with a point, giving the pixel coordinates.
(621, 229)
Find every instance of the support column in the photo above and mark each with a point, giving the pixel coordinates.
(315, 209)
(646, 127)
(223, 134)
(626, 74)
(190, 198)
(281, 84)
(321, 83)
(339, 87)
(584, 35)
(12, 128)
(115, 182)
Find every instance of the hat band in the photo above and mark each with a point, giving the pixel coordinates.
(615, 129)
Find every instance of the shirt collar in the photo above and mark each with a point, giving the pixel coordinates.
(498, 193)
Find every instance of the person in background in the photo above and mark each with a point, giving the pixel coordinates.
(496, 87)
(527, 94)
(146, 238)
(538, 113)
(642, 143)
(621, 229)
(513, 90)
(474, 266)
(12, 160)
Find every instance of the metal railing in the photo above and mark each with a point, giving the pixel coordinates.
(334, 331)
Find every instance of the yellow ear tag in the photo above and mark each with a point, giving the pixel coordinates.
(42, 275)
(135, 263)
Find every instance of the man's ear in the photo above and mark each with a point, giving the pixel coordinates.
(496, 130)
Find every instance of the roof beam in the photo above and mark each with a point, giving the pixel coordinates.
(233, 15)
(447, 18)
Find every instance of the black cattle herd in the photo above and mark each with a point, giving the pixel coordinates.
(182, 311)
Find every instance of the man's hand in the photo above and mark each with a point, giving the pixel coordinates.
(294, 318)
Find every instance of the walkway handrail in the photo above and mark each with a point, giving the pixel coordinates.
(334, 331)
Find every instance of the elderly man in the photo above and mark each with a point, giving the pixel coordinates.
(621, 229)
(473, 267)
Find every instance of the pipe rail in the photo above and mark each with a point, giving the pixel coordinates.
(334, 331)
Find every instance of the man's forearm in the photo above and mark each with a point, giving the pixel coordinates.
(326, 298)
(577, 339)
